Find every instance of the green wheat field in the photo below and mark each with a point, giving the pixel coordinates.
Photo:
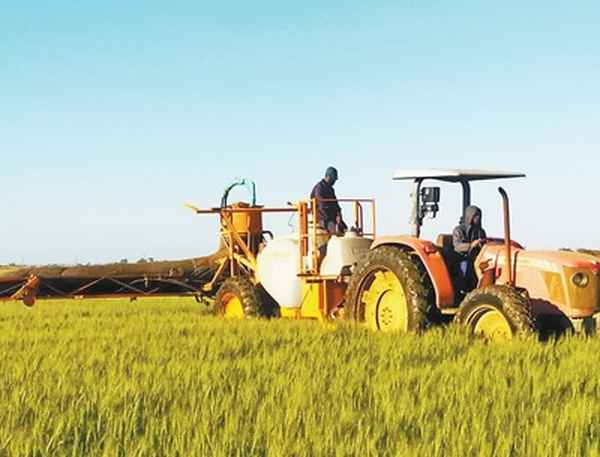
(164, 378)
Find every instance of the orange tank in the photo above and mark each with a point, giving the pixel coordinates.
(247, 223)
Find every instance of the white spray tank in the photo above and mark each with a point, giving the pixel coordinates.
(278, 265)
(344, 252)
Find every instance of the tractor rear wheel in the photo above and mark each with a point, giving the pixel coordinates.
(388, 293)
(238, 298)
(497, 313)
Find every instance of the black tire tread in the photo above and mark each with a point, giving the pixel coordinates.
(402, 265)
(246, 291)
(511, 302)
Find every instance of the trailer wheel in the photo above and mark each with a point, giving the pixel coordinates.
(387, 293)
(497, 313)
(238, 298)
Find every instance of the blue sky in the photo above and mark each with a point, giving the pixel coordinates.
(113, 115)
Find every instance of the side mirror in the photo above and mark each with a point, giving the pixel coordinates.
(430, 199)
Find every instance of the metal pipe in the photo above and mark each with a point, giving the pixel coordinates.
(347, 200)
(303, 234)
(374, 218)
(241, 210)
(415, 218)
(466, 186)
(507, 236)
(315, 243)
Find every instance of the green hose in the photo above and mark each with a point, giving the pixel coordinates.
(240, 182)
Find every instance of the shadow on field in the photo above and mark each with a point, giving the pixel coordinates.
(549, 328)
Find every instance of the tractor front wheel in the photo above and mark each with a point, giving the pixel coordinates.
(238, 298)
(497, 313)
(388, 293)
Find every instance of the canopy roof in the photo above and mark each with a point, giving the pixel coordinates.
(454, 175)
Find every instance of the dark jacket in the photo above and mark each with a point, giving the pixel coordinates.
(327, 211)
(467, 232)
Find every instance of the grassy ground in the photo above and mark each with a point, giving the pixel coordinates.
(162, 378)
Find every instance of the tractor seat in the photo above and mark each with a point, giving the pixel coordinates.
(452, 259)
(446, 242)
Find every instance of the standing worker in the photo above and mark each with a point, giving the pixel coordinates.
(329, 212)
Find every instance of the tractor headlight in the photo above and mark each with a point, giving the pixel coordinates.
(581, 279)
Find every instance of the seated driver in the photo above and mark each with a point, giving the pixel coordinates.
(468, 238)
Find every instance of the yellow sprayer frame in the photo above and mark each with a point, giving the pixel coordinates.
(320, 294)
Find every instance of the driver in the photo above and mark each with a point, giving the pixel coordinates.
(468, 238)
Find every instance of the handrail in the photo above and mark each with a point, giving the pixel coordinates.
(307, 236)
(241, 210)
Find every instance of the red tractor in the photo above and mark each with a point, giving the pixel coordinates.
(406, 283)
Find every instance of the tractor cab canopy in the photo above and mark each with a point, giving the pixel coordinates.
(426, 199)
(454, 175)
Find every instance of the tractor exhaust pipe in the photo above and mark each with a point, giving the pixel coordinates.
(507, 237)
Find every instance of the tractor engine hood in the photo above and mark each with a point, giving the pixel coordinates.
(558, 282)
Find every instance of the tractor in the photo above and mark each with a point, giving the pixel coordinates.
(406, 283)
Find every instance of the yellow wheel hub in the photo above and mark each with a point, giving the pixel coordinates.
(232, 307)
(491, 324)
(386, 307)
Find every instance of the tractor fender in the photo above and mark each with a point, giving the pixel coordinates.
(431, 256)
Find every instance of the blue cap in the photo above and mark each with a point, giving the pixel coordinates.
(332, 173)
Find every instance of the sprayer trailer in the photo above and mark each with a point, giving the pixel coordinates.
(301, 275)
